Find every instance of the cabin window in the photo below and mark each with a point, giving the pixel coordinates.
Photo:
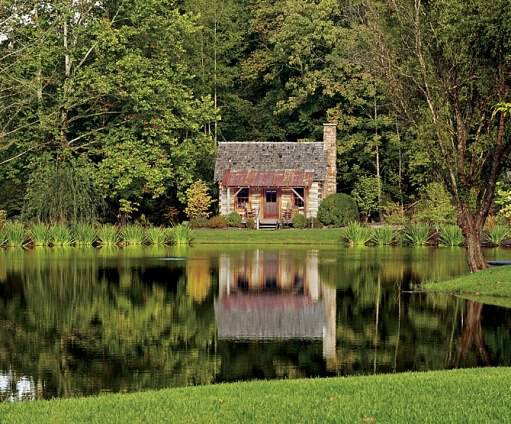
(242, 198)
(299, 195)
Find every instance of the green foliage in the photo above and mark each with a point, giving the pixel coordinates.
(497, 234)
(60, 235)
(418, 234)
(394, 214)
(435, 207)
(384, 236)
(133, 235)
(356, 234)
(365, 193)
(14, 234)
(40, 234)
(61, 191)
(108, 235)
(451, 235)
(338, 210)
(181, 234)
(503, 201)
(299, 221)
(198, 200)
(85, 234)
(233, 219)
(156, 235)
(217, 222)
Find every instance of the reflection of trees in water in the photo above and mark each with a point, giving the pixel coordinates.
(79, 333)
(382, 329)
(471, 339)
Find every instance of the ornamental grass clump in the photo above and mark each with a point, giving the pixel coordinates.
(133, 235)
(451, 236)
(497, 234)
(60, 235)
(156, 236)
(418, 234)
(14, 234)
(108, 235)
(181, 234)
(384, 236)
(356, 234)
(85, 234)
(40, 235)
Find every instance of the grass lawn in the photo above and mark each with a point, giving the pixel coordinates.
(235, 235)
(491, 286)
(461, 396)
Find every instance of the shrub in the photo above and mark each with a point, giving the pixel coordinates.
(40, 235)
(198, 200)
(356, 234)
(133, 234)
(181, 234)
(394, 214)
(497, 234)
(251, 223)
(233, 219)
(418, 234)
(14, 234)
(108, 235)
(451, 235)
(217, 222)
(384, 236)
(299, 221)
(338, 210)
(60, 235)
(435, 207)
(156, 235)
(84, 234)
(200, 222)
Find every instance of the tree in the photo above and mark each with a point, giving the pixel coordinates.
(198, 200)
(447, 64)
(366, 194)
(107, 81)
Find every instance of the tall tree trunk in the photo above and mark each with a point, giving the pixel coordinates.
(472, 228)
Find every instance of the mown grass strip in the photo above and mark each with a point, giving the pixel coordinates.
(461, 396)
(492, 282)
(243, 236)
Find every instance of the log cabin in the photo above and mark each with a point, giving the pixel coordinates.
(272, 181)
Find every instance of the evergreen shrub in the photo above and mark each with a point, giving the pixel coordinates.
(338, 210)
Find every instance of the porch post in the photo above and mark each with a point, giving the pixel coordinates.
(228, 200)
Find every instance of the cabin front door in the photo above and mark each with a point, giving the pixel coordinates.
(270, 204)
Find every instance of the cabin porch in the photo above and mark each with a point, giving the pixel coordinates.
(269, 198)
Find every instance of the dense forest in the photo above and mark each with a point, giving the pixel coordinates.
(111, 109)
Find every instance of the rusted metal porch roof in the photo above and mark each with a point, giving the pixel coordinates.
(282, 178)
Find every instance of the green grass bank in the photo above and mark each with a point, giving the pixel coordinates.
(243, 236)
(460, 396)
(491, 286)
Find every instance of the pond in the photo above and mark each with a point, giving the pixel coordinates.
(80, 322)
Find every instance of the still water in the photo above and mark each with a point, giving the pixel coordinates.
(81, 322)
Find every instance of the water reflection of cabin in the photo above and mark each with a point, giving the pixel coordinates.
(275, 296)
(272, 181)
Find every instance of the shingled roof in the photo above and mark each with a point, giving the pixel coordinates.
(271, 156)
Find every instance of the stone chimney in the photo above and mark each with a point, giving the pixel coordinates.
(330, 146)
